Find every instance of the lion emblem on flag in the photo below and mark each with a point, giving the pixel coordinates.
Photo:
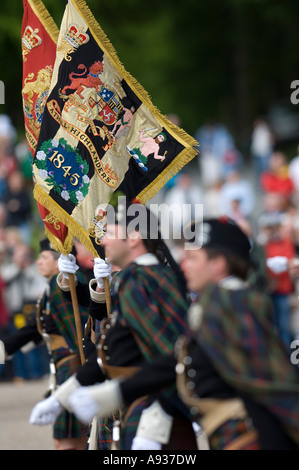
(92, 80)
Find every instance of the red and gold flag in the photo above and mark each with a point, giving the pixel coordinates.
(39, 39)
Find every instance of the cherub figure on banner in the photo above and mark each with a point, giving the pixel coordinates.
(124, 122)
(150, 145)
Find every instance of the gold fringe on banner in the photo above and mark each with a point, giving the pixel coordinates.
(78, 232)
(64, 248)
(173, 168)
(44, 16)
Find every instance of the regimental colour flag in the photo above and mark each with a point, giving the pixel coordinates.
(100, 132)
(39, 39)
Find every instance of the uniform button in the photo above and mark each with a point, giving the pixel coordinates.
(187, 360)
(190, 385)
(105, 348)
(191, 373)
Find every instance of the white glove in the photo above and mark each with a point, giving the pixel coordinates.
(45, 412)
(101, 269)
(67, 265)
(2, 353)
(141, 443)
(95, 400)
(277, 264)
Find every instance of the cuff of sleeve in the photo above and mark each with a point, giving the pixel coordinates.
(64, 288)
(155, 424)
(28, 347)
(3, 354)
(98, 297)
(64, 391)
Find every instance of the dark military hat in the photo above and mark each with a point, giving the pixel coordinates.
(221, 234)
(45, 245)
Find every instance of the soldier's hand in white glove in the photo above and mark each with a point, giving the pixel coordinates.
(277, 264)
(96, 400)
(67, 265)
(101, 270)
(45, 412)
(141, 443)
(2, 353)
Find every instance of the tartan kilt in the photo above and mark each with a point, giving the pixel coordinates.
(130, 422)
(105, 426)
(237, 434)
(66, 424)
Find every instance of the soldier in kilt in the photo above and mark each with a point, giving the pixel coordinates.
(100, 431)
(231, 369)
(149, 305)
(55, 324)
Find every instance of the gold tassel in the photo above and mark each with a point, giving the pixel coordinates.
(64, 248)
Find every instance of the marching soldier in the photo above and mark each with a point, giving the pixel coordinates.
(55, 325)
(231, 369)
(149, 305)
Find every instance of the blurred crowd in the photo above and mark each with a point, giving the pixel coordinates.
(20, 229)
(260, 191)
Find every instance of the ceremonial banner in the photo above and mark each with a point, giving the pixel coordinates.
(39, 39)
(100, 132)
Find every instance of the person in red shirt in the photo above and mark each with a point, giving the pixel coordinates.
(276, 179)
(279, 250)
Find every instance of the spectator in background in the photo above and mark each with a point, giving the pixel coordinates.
(276, 179)
(236, 196)
(279, 249)
(24, 159)
(294, 175)
(274, 202)
(8, 161)
(24, 285)
(214, 143)
(17, 201)
(212, 199)
(4, 318)
(261, 147)
(184, 192)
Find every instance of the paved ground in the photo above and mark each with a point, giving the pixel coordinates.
(16, 403)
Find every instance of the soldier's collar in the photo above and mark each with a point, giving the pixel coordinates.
(146, 260)
(232, 283)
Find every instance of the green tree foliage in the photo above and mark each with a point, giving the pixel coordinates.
(227, 60)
